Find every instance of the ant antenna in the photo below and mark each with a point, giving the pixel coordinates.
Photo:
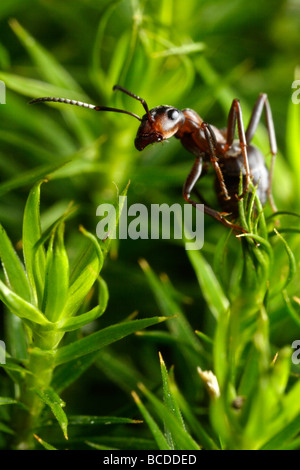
(118, 87)
(86, 105)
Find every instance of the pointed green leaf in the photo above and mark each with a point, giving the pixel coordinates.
(74, 323)
(84, 274)
(192, 420)
(70, 210)
(182, 438)
(44, 443)
(184, 49)
(169, 399)
(50, 398)
(13, 268)
(7, 401)
(292, 261)
(106, 244)
(12, 366)
(179, 325)
(100, 77)
(210, 286)
(99, 339)
(15, 336)
(170, 402)
(35, 259)
(57, 277)
(20, 307)
(153, 426)
(220, 352)
(83, 420)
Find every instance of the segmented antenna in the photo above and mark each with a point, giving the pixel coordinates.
(83, 105)
(63, 100)
(136, 97)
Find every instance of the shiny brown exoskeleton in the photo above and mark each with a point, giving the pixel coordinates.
(229, 157)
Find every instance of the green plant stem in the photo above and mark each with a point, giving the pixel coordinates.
(41, 366)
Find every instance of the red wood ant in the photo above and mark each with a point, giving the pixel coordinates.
(229, 157)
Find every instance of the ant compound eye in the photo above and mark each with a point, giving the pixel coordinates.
(173, 114)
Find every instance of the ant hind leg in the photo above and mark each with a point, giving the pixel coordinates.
(261, 104)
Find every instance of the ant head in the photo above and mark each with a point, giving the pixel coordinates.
(157, 125)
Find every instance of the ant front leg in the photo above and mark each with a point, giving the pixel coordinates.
(263, 103)
(188, 187)
(235, 116)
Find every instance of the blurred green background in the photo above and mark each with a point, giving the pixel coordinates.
(199, 54)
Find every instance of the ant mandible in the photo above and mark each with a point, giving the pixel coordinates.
(229, 157)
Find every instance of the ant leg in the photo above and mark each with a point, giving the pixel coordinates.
(263, 102)
(212, 143)
(235, 116)
(196, 190)
(188, 187)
